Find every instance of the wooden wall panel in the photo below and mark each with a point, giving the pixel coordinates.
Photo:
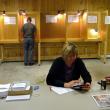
(11, 52)
(73, 29)
(9, 5)
(108, 39)
(52, 5)
(48, 6)
(52, 30)
(74, 5)
(91, 5)
(108, 44)
(91, 50)
(97, 5)
(15, 5)
(9, 32)
(77, 30)
(93, 26)
(50, 51)
(15, 52)
(87, 49)
(29, 5)
(103, 26)
(1, 27)
(0, 53)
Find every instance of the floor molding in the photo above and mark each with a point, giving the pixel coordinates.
(108, 56)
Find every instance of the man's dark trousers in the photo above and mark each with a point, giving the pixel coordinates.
(28, 50)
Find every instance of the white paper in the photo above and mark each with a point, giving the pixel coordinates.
(4, 88)
(73, 18)
(19, 89)
(25, 20)
(92, 19)
(3, 92)
(107, 19)
(18, 86)
(28, 88)
(51, 19)
(18, 97)
(15, 85)
(9, 20)
(61, 90)
(33, 21)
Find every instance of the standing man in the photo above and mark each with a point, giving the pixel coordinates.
(29, 30)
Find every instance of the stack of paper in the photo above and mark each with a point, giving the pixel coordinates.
(4, 88)
(19, 91)
(18, 97)
(18, 86)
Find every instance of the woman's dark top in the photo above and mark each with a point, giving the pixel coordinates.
(59, 73)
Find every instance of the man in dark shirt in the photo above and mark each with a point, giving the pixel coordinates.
(28, 30)
(66, 70)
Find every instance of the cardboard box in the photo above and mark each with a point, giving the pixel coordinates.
(27, 91)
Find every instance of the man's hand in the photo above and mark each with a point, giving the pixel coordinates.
(71, 83)
(21, 40)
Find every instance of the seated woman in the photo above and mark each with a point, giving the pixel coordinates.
(67, 69)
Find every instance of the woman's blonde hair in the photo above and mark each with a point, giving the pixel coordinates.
(68, 48)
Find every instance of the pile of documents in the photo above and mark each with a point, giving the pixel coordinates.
(18, 86)
(4, 88)
(16, 91)
(19, 91)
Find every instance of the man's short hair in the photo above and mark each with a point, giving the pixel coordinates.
(29, 19)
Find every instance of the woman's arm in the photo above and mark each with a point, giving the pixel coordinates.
(53, 75)
(84, 72)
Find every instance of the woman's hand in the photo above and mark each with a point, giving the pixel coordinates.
(71, 83)
(86, 86)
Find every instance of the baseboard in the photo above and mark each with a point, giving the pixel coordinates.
(0, 61)
(108, 56)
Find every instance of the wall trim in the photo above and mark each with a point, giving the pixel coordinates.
(108, 56)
